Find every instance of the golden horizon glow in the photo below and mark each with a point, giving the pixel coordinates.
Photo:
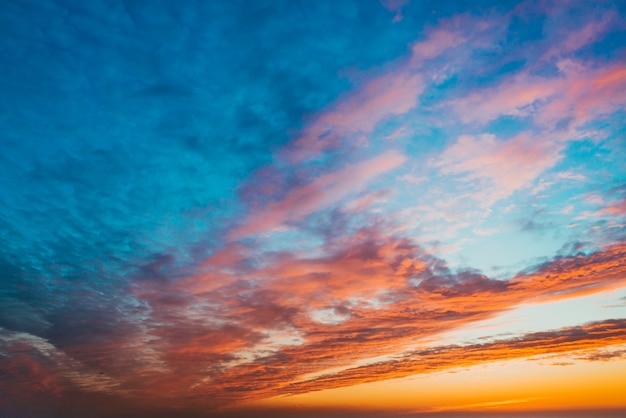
(532, 384)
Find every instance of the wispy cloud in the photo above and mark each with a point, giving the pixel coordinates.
(358, 114)
(380, 294)
(395, 6)
(500, 166)
(441, 358)
(567, 340)
(324, 191)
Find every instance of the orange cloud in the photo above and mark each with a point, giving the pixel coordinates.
(263, 330)
(615, 208)
(594, 335)
(271, 324)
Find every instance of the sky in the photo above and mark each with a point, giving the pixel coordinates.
(312, 208)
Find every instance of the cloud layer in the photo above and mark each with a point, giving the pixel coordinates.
(204, 204)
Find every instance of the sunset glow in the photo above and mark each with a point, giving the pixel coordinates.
(393, 208)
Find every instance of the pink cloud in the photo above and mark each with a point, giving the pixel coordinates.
(578, 94)
(438, 41)
(363, 202)
(502, 166)
(321, 193)
(515, 97)
(600, 92)
(357, 114)
(393, 93)
(394, 6)
(576, 38)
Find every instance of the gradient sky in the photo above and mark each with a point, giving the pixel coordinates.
(312, 208)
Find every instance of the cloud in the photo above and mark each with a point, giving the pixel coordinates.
(382, 294)
(602, 354)
(500, 167)
(586, 93)
(578, 93)
(598, 334)
(363, 202)
(439, 41)
(393, 93)
(321, 193)
(395, 6)
(519, 96)
(615, 208)
(564, 341)
(357, 114)
(575, 38)
(32, 363)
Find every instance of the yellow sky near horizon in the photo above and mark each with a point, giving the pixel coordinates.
(538, 383)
